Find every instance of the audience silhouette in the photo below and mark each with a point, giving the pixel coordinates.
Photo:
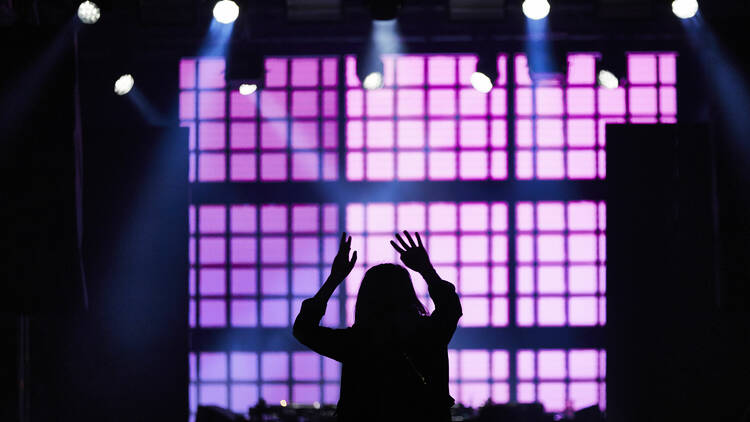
(395, 355)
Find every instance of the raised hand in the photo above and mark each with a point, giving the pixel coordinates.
(413, 255)
(342, 265)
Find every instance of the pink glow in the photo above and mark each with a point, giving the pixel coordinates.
(276, 75)
(441, 102)
(525, 312)
(473, 165)
(474, 394)
(474, 249)
(213, 366)
(187, 105)
(305, 250)
(351, 72)
(305, 166)
(243, 281)
(549, 164)
(212, 313)
(582, 279)
(581, 101)
(330, 103)
(380, 166)
(443, 248)
(549, 132)
(243, 397)
(499, 165)
(476, 312)
(304, 135)
(474, 216)
(243, 250)
(212, 281)
(499, 312)
(473, 133)
(242, 135)
(584, 394)
(274, 313)
(551, 364)
(378, 250)
(305, 104)
(410, 102)
(211, 104)
(305, 281)
(409, 70)
(212, 250)
(474, 364)
(582, 248)
(549, 101)
(467, 64)
(668, 68)
(473, 280)
(355, 218)
(442, 133)
(212, 219)
(273, 103)
(498, 102)
(330, 71)
(441, 70)
(243, 313)
(305, 366)
(499, 248)
(379, 134)
(551, 311)
(581, 132)
(581, 69)
(410, 165)
(211, 73)
(187, 74)
(242, 105)
(305, 218)
(211, 135)
(273, 135)
(642, 100)
(612, 101)
(442, 165)
(551, 279)
(642, 68)
(304, 72)
(411, 133)
(354, 103)
(381, 218)
(500, 392)
(411, 216)
(668, 100)
(524, 104)
(442, 217)
(472, 102)
(522, 70)
(499, 280)
(526, 392)
(552, 396)
(525, 364)
(581, 164)
(273, 166)
(379, 102)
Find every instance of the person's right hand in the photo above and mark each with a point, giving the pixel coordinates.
(413, 255)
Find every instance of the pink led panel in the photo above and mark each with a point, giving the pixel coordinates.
(251, 266)
(427, 122)
(476, 375)
(561, 261)
(559, 128)
(467, 242)
(559, 377)
(287, 131)
(236, 379)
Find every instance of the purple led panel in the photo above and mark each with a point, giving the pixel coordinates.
(251, 266)
(287, 131)
(561, 263)
(237, 379)
(559, 127)
(562, 378)
(427, 122)
(476, 375)
(467, 242)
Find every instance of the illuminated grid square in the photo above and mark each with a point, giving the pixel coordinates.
(555, 377)
(237, 379)
(252, 265)
(287, 131)
(427, 122)
(467, 243)
(476, 375)
(560, 128)
(561, 263)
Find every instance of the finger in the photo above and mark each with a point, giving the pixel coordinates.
(353, 261)
(411, 241)
(401, 241)
(419, 240)
(349, 242)
(396, 247)
(343, 240)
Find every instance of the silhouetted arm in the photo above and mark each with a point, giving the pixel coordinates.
(329, 342)
(447, 305)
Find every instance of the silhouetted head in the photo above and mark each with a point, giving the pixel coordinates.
(386, 291)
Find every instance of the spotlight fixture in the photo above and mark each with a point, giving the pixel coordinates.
(384, 10)
(535, 9)
(610, 69)
(226, 11)
(370, 71)
(88, 12)
(483, 79)
(124, 84)
(245, 68)
(685, 9)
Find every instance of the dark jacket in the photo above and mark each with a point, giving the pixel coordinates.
(396, 370)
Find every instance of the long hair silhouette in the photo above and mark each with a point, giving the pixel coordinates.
(385, 293)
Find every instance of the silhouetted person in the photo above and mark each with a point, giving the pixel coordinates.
(395, 356)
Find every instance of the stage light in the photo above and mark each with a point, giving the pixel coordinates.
(535, 9)
(486, 72)
(685, 9)
(88, 12)
(226, 11)
(283, 403)
(247, 89)
(370, 70)
(124, 84)
(607, 79)
(384, 10)
(316, 404)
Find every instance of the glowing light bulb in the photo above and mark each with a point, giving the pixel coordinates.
(283, 403)
(685, 9)
(226, 11)
(88, 12)
(607, 79)
(373, 81)
(481, 82)
(247, 89)
(124, 84)
(535, 9)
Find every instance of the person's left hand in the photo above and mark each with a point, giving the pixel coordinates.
(342, 265)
